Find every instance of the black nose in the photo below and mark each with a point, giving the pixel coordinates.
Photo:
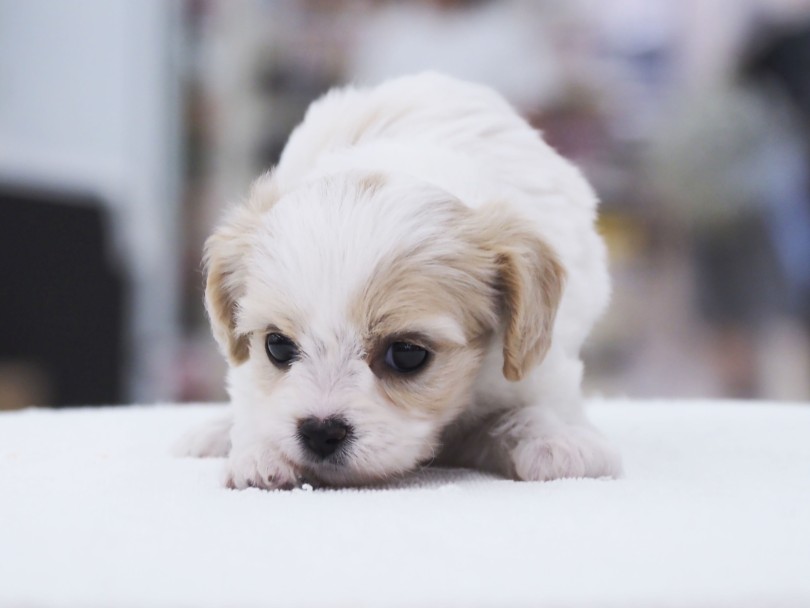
(323, 437)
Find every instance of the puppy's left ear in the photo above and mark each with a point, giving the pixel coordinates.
(530, 284)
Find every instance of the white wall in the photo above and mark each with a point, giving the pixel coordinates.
(89, 102)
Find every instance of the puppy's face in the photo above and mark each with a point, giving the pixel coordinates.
(355, 313)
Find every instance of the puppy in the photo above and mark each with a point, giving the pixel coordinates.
(411, 284)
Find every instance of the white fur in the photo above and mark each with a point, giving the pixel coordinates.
(314, 245)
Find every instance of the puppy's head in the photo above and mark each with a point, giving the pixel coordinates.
(355, 312)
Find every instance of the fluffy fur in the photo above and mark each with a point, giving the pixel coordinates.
(425, 208)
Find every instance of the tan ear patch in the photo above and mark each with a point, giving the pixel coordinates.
(220, 301)
(530, 280)
(371, 183)
(437, 295)
(532, 287)
(224, 260)
(419, 285)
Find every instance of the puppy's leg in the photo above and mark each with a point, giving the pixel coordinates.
(534, 430)
(550, 437)
(542, 447)
(531, 444)
(209, 440)
(251, 464)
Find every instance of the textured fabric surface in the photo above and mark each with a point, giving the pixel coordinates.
(714, 510)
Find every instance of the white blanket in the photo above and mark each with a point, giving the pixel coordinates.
(714, 510)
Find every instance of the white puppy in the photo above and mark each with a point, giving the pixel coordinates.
(411, 284)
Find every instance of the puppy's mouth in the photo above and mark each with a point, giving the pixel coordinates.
(338, 463)
(336, 471)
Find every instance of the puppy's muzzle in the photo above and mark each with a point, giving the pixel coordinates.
(322, 438)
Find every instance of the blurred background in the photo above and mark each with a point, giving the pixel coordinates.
(127, 125)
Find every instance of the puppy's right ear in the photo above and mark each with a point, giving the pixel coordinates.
(224, 258)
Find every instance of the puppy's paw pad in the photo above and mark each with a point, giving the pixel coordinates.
(574, 452)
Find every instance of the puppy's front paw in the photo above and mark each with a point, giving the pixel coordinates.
(571, 451)
(258, 469)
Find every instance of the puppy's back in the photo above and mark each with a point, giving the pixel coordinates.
(423, 112)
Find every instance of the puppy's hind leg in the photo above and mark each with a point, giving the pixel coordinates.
(209, 440)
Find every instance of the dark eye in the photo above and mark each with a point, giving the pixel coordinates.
(405, 357)
(280, 349)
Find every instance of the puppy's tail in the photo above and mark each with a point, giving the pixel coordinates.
(209, 440)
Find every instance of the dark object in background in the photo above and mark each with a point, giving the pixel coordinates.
(61, 301)
(783, 55)
(781, 58)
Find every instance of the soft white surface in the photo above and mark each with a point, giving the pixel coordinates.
(714, 510)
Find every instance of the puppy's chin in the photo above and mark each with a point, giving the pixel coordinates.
(343, 476)
(348, 471)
